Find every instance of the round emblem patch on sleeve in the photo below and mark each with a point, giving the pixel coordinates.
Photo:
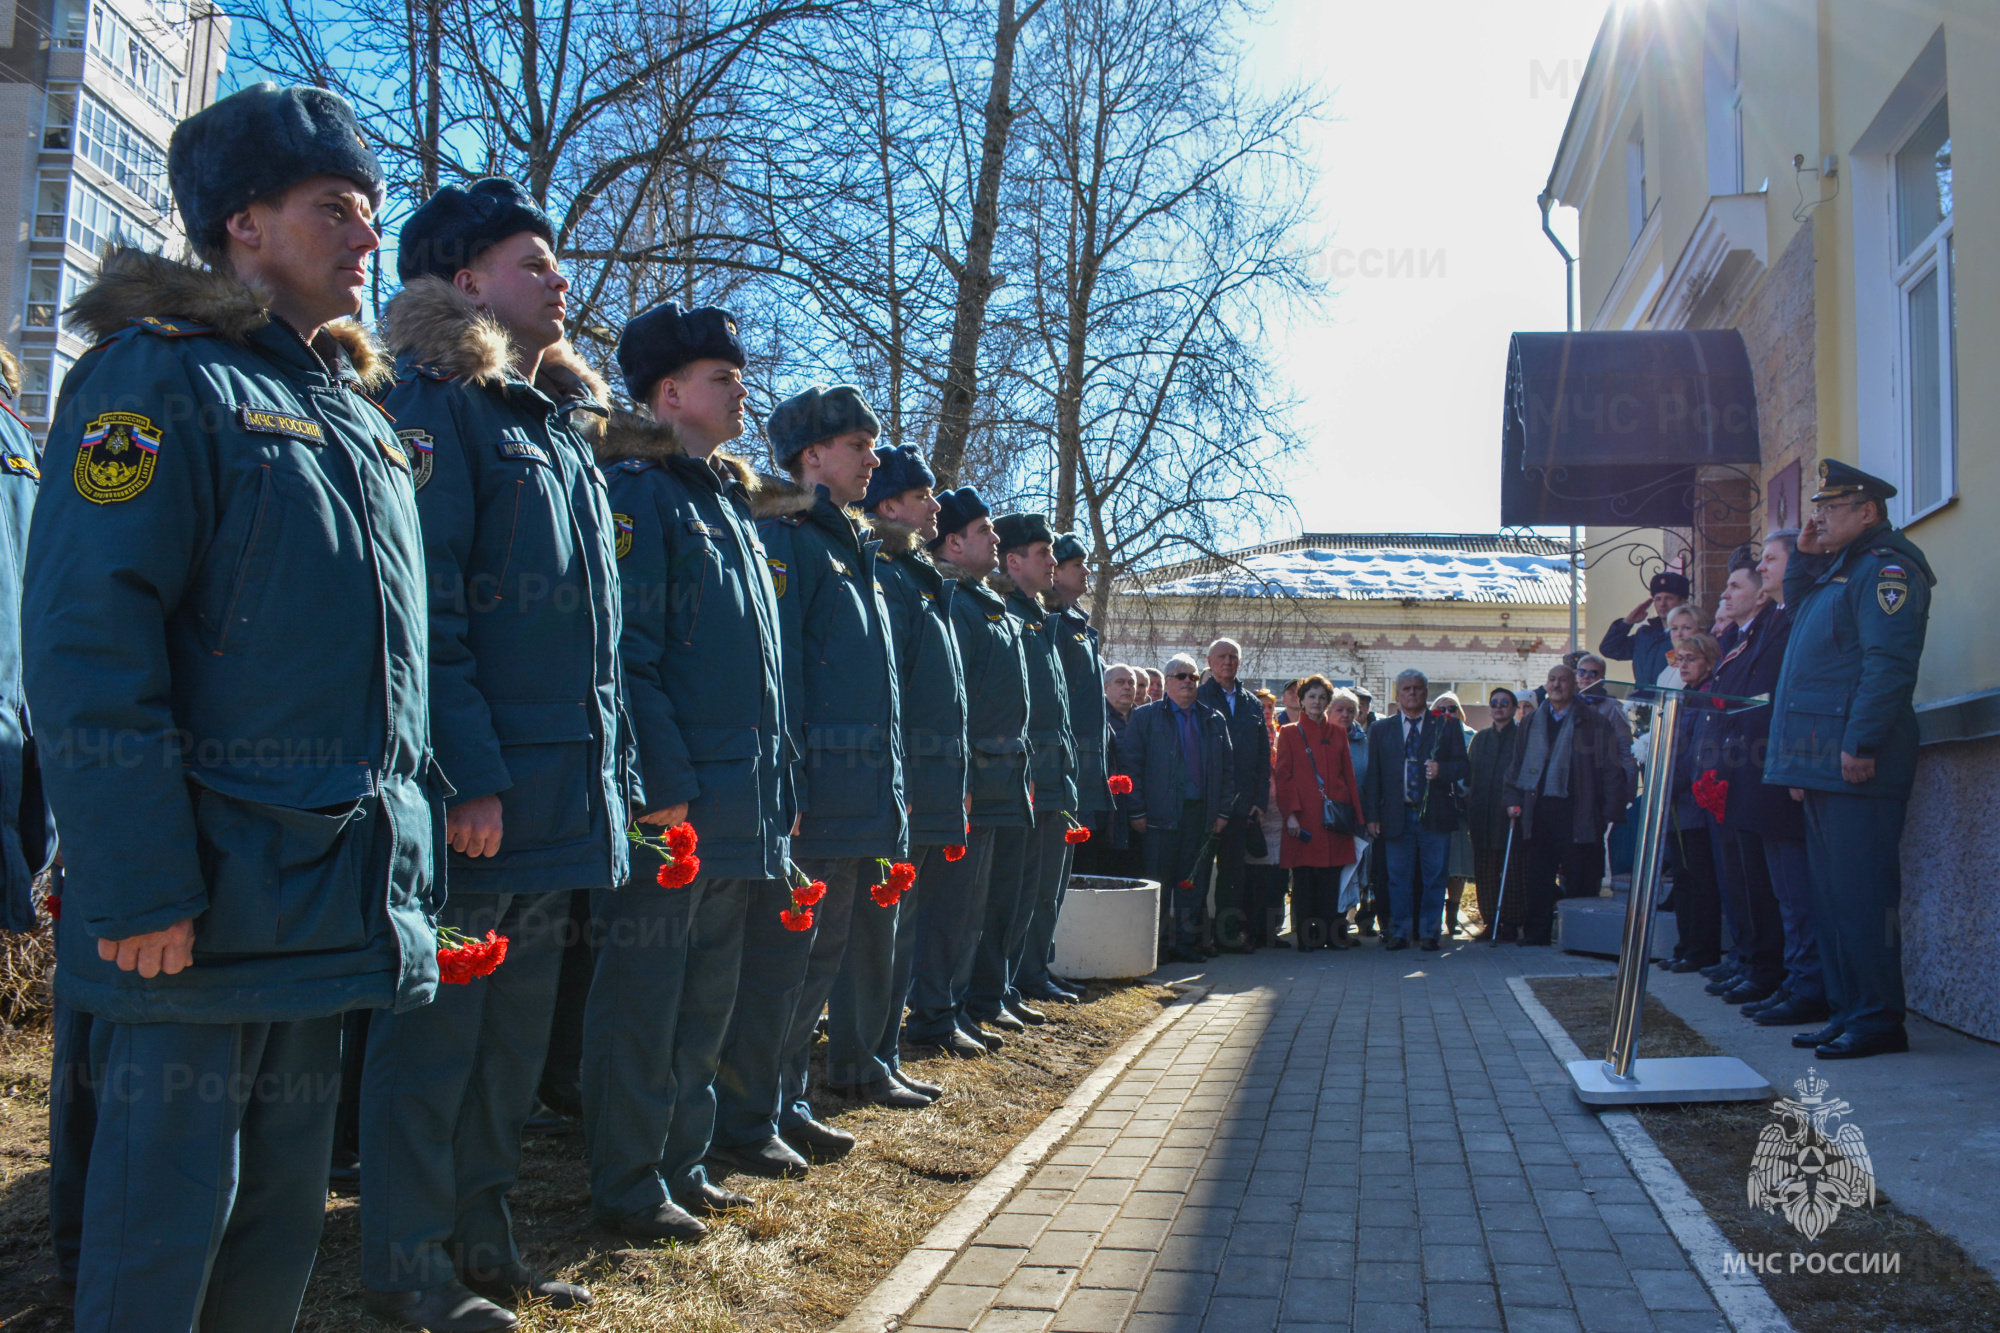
(115, 458)
(778, 572)
(421, 446)
(622, 524)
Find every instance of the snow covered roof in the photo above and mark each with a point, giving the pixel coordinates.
(1424, 567)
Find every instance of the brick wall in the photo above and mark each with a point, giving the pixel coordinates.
(1779, 327)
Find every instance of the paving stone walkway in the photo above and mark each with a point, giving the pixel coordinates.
(1362, 1141)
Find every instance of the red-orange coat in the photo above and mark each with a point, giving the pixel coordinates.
(1298, 795)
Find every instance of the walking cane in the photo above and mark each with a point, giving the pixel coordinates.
(1505, 861)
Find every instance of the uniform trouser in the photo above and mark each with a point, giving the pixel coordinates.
(1016, 864)
(1853, 844)
(1171, 855)
(1235, 924)
(835, 918)
(949, 920)
(207, 1180)
(1697, 900)
(562, 1070)
(1029, 976)
(660, 1002)
(862, 990)
(72, 1124)
(444, 1094)
(1791, 880)
(1743, 875)
(930, 865)
(353, 1061)
(748, 1086)
(1418, 858)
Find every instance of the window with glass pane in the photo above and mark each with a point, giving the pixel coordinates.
(51, 203)
(121, 152)
(1925, 286)
(36, 377)
(96, 224)
(44, 293)
(58, 117)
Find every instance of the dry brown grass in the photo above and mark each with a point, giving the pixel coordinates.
(797, 1262)
(1939, 1287)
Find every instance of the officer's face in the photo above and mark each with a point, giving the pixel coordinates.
(309, 246)
(842, 464)
(974, 548)
(1664, 602)
(1841, 520)
(703, 400)
(915, 508)
(518, 282)
(1033, 567)
(1072, 581)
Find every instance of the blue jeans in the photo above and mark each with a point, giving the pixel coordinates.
(1418, 858)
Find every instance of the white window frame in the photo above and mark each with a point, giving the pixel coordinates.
(38, 400)
(69, 284)
(1932, 254)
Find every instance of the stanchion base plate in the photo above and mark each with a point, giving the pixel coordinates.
(1695, 1078)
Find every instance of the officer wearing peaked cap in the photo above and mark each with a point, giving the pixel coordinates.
(703, 673)
(1844, 738)
(1026, 572)
(254, 855)
(492, 406)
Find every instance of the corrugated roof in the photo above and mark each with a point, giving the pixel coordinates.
(1376, 566)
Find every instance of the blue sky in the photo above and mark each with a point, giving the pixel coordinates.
(1444, 121)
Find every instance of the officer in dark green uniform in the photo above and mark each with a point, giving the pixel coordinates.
(1075, 640)
(1001, 836)
(525, 708)
(1844, 739)
(843, 703)
(1027, 570)
(931, 677)
(707, 700)
(243, 772)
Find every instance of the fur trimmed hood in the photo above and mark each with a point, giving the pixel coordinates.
(10, 373)
(898, 539)
(435, 324)
(132, 284)
(636, 435)
(1003, 585)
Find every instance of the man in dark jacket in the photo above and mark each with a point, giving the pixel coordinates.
(706, 684)
(228, 581)
(525, 694)
(931, 676)
(1844, 736)
(1001, 838)
(1075, 640)
(1415, 759)
(1642, 639)
(1114, 851)
(1239, 923)
(1565, 785)
(1177, 753)
(1489, 756)
(842, 700)
(1027, 570)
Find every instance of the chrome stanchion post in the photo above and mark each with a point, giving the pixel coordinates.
(1635, 953)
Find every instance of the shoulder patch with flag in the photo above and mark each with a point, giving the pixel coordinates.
(115, 458)
(778, 572)
(421, 446)
(622, 524)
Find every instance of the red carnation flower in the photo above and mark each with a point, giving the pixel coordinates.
(1187, 884)
(462, 959)
(1712, 794)
(902, 875)
(1120, 785)
(54, 904)
(885, 895)
(954, 853)
(679, 872)
(682, 839)
(802, 919)
(1077, 834)
(807, 895)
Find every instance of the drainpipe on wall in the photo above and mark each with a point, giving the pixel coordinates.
(1569, 323)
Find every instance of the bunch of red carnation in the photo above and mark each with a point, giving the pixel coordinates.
(461, 959)
(682, 865)
(1120, 785)
(955, 852)
(1076, 832)
(897, 880)
(805, 895)
(1711, 793)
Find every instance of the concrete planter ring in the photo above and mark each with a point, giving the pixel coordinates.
(1109, 928)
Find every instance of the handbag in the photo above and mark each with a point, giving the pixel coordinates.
(1339, 818)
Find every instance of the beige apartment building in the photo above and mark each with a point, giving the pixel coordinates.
(1786, 169)
(90, 91)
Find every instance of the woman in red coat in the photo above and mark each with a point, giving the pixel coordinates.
(1313, 852)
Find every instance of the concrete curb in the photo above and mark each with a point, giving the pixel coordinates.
(1740, 1296)
(883, 1308)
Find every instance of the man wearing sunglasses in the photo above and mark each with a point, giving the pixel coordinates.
(1177, 752)
(1844, 739)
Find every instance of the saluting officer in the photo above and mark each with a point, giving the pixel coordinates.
(1844, 739)
(931, 677)
(708, 709)
(842, 703)
(1001, 836)
(225, 637)
(1027, 570)
(1075, 640)
(525, 707)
